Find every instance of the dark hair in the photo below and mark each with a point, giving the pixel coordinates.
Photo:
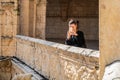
(76, 22)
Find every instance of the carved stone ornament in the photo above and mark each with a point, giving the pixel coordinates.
(7, 5)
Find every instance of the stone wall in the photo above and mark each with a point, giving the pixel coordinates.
(60, 11)
(109, 33)
(58, 61)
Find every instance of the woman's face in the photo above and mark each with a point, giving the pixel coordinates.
(72, 27)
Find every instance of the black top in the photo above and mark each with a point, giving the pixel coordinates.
(78, 41)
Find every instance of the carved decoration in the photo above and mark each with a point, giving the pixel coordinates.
(7, 5)
(77, 71)
(5, 65)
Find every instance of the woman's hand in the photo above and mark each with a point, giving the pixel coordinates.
(70, 33)
(74, 33)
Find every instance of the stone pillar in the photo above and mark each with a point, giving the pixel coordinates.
(40, 19)
(1, 12)
(109, 33)
(31, 17)
(24, 17)
(8, 26)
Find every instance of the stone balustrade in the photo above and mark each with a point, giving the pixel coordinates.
(58, 61)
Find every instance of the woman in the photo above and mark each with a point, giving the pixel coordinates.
(74, 36)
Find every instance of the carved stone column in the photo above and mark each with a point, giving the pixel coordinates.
(24, 17)
(8, 25)
(40, 19)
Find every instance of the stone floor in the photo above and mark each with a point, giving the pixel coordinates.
(91, 44)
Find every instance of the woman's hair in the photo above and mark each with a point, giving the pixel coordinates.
(76, 22)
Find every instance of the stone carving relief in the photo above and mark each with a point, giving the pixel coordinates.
(7, 5)
(7, 28)
(5, 65)
(5, 69)
(76, 71)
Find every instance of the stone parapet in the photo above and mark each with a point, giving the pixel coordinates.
(58, 61)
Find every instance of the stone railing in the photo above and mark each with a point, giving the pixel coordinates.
(58, 61)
